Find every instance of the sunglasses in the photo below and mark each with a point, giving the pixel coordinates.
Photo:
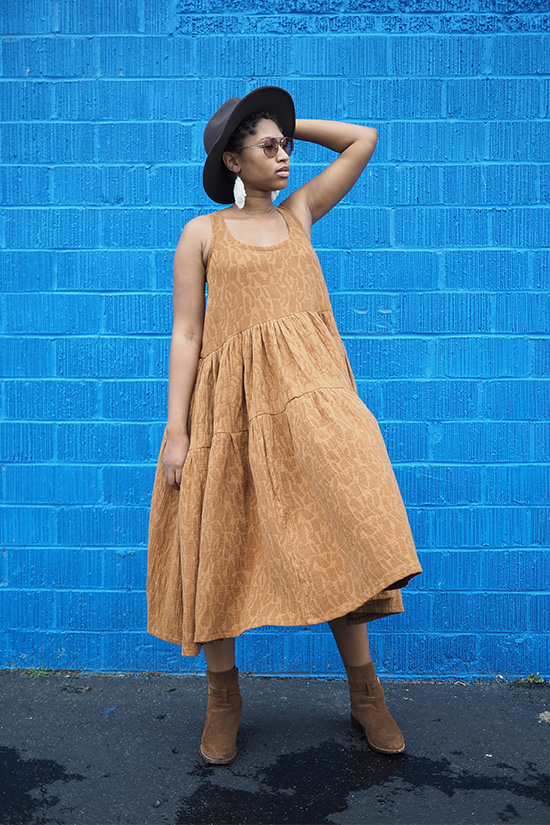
(270, 145)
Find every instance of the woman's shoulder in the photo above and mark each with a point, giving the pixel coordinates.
(198, 233)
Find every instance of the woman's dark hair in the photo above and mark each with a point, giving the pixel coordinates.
(248, 127)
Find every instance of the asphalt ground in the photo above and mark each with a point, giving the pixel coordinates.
(100, 749)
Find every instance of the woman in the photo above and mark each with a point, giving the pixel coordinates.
(274, 500)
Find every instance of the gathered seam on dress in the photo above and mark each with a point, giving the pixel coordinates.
(262, 323)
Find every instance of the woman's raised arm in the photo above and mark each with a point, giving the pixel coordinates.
(355, 145)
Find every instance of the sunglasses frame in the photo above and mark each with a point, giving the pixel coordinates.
(279, 146)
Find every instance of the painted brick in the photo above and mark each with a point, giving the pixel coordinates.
(31, 57)
(498, 612)
(89, 19)
(489, 527)
(22, 526)
(435, 312)
(55, 649)
(128, 485)
(491, 184)
(437, 142)
(364, 313)
(102, 357)
(26, 357)
(25, 271)
(541, 269)
(507, 653)
(100, 100)
(440, 485)
(429, 400)
(176, 185)
(499, 98)
(541, 357)
(516, 54)
(524, 484)
(526, 142)
(515, 399)
(521, 227)
(26, 100)
(109, 185)
(383, 358)
(105, 443)
(55, 567)
(503, 570)
(138, 313)
(24, 441)
(53, 228)
(22, 18)
(151, 143)
(134, 400)
(406, 441)
(148, 57)
(100, 610)
(100, 526)
(487, 269)
(352, 229)
(51, 313)
(28, 185)
(381, 269)
(401, 185)
(40, 484)
(47, 143)
(482, 441)
(481, 356)
(146, 227)
(51, 400)
(437, 56)
(522, 312)
(447, 226)
(125, 567)
(108, 270)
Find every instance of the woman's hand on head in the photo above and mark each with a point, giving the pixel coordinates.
(175, 453)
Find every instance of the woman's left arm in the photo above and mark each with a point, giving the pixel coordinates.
(355, 145)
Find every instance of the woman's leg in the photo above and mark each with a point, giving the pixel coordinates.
(219, 655)
(224, 709)
(369, 714)
(352, 641)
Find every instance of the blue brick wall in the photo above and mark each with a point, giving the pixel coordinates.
(437, 265)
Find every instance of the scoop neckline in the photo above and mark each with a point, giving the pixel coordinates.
(258, 246)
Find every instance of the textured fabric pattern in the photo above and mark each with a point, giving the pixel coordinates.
(289, 512)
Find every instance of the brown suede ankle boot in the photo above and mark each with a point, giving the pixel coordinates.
(369, 714)
(223, 714)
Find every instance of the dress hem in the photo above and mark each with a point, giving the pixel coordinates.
(194, 648)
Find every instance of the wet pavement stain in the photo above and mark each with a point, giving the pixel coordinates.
(18, 777)
(311, 785)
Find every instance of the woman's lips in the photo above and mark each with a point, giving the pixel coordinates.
(283, 173)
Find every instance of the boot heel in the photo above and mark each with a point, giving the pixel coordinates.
(356, 725)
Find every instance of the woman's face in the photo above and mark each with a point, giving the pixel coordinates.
(257, 171)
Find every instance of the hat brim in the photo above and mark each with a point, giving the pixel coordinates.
(216, 178)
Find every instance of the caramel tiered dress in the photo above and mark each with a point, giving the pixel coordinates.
(289, 512)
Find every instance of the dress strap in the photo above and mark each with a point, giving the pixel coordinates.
(292, 221)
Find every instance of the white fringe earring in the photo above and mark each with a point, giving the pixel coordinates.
(274, 193)
(239, 193)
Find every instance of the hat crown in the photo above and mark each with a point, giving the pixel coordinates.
(215, 126)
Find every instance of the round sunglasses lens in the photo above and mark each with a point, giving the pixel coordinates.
(271, 147)
(288, 146)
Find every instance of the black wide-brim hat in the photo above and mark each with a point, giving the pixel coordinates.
(216, 178)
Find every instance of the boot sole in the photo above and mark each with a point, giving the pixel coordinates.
(356, 725)
(210, 761)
